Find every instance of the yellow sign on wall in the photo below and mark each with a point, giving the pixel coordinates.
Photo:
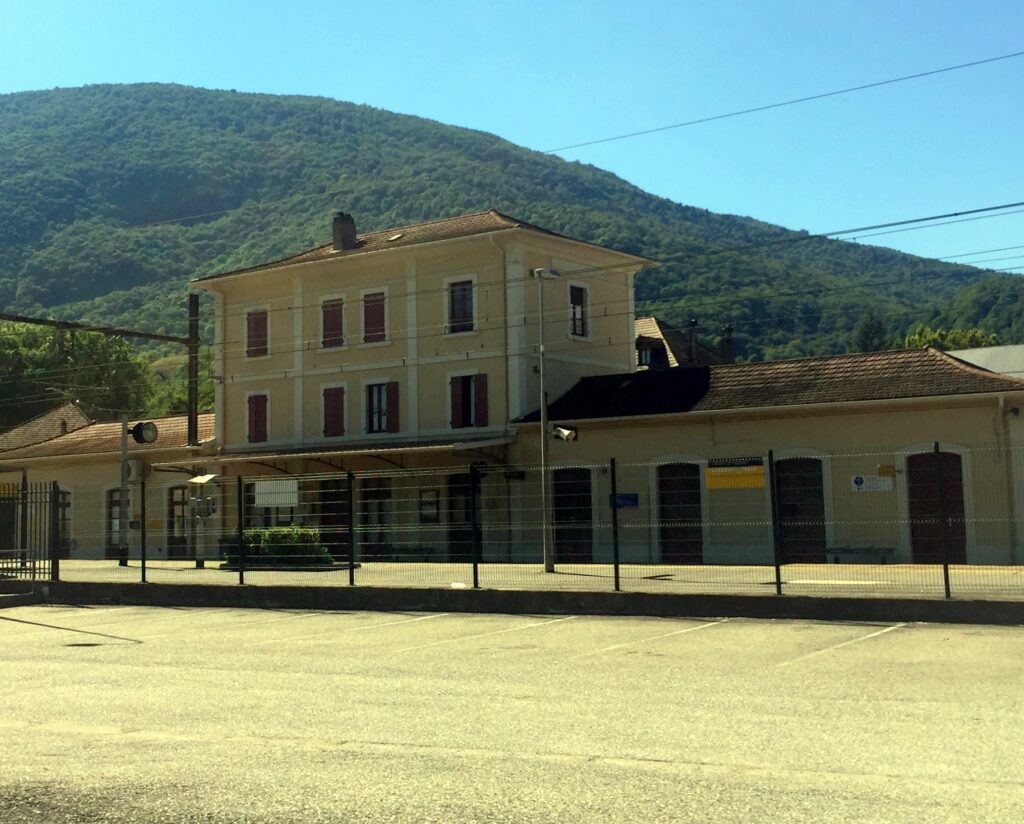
(735, 473)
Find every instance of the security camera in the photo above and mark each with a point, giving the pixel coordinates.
(564, 433)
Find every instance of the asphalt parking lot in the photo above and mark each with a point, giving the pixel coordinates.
(149, 714)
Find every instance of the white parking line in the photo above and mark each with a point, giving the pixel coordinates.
(485, 634)
(843, 644)
(650, 638)
(348, 629)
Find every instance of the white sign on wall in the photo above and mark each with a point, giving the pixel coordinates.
(872, 483)
(276, 492)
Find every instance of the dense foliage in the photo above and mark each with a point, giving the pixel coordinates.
(40, 368)
(95, 181)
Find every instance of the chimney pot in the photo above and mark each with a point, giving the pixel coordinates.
(344, 231)
(725, 346)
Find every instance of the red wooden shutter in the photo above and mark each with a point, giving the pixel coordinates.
(456, 393)
(373, 317)
(333, 321)
(392, 410)
(256, 334)
(334, 411)
(257, 418)
(480, 400)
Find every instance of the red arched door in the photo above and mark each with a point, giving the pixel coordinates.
(679, 514)
(935, 503)
(800, 498)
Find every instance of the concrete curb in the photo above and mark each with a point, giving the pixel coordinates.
(20, 599)
(540, 603)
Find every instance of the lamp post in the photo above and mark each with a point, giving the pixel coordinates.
(548, 551)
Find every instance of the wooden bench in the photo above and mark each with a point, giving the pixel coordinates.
(860, 554)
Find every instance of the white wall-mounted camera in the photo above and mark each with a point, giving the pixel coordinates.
(564, 433)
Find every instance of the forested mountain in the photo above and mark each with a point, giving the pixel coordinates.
(95, 181)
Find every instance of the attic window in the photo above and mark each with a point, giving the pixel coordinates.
(393, 238)
(63, 427)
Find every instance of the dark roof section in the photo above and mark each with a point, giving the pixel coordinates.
(45, 426)
(876, 376)
(449, 228)
(676, 342)
(105, 439)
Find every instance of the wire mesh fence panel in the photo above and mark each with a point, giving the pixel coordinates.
(916, 522)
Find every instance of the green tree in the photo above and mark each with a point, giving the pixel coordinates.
(870, 334)
(970, 338)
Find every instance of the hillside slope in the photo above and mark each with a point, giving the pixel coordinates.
(94, 181)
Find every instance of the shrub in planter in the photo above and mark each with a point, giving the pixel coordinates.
(281, 546)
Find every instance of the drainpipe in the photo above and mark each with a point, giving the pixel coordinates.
(1003, 434)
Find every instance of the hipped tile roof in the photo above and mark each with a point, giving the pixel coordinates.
(677, 343)
(876, 376)
(43, 427)
(105, 439)
(445, 229)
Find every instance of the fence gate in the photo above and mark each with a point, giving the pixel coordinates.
(32, 524)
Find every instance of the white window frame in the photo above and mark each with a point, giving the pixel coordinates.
(588, 315)
(259, 307)
(345, 326)
(245, 435)
(447, 283)
(362, 316)
(345, 417)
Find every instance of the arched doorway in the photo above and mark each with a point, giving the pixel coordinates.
(573, 515)
(935, 505)
(680, 530)
(800, 501)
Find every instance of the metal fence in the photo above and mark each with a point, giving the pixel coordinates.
(937, 520)
(31, 538)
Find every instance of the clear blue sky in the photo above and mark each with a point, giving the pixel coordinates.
(546, 74)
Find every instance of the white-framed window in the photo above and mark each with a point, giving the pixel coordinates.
(333, 326)
(257, 332)
(374, 314)
(333, 409)
(380, 407)
(467, 400)
(257, 416)
(460, 304)
(579, 310)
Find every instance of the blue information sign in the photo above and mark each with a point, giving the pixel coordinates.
(626, 500)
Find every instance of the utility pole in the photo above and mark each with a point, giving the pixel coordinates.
(548, 551)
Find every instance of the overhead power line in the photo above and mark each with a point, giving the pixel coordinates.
(793, 102)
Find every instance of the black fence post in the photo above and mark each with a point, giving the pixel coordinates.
(615, 522)
(943, 520)
(351, 529)
(240, 491)
(474, 522)
(776, 527)
(54, 531)
(142, 528)
(24, 520)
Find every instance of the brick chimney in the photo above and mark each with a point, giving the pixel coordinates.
(725, 348)
(344, 231)
(691, 340)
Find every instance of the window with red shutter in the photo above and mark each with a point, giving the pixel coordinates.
(392, 410)
(374, 317)
(257, 418)
(457, 389)
(334, 411)
(256, 334)
(480, 400)
(333, 315)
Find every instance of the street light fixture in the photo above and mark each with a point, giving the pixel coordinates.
(541, 275)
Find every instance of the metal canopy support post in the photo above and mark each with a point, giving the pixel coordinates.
(193, 369)
(142, 527)
(122, 509)
(54, 531)
(23, 520)
(546, 545)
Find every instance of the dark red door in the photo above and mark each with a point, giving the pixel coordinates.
(679, 515)
(935, 498)
(800, 497)
(573, 516)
